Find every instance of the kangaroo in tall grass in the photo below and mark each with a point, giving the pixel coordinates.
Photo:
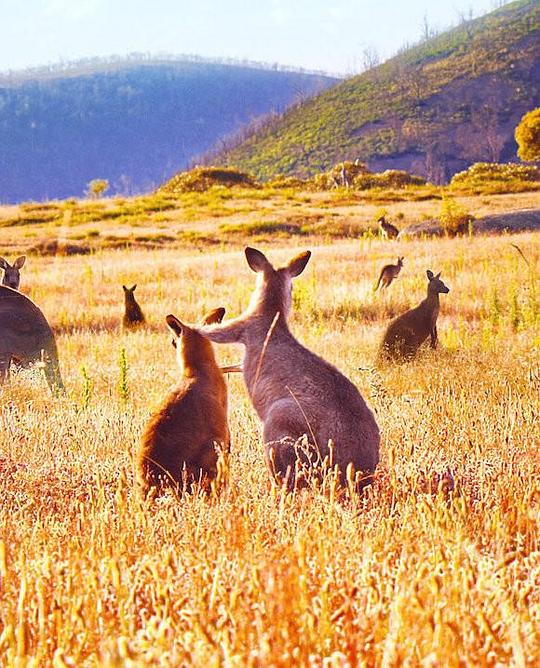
(12, 273)
(26, 337)
(180, 441)
(406, 333)
(133, 315)
(311, 413)
(388, 230)
(388, 273)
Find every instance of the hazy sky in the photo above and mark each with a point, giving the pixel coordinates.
(317, 34)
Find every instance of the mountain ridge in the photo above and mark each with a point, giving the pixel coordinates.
(134, 124)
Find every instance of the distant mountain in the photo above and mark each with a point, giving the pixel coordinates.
(133, 122)
(433, 109)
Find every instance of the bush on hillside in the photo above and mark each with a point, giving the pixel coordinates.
(494, 178)
(454, 218)
(358, 176)
(528, 136)
(283, 181)
(200, 179)
(482, 173)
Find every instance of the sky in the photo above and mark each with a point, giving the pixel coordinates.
(329, 35)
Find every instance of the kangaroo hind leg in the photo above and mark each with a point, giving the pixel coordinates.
(287, 444)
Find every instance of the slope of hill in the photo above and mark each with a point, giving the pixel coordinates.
(433, 110)
(133, 123)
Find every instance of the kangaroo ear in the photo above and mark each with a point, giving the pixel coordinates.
(3, 263)
(297, 265)
(19, 262)
(256, 260)
(175, 325)
(429, 274)
(124, 288)
(133, 288)
(438, 275)
(214, 317)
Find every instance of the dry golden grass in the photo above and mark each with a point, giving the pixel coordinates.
(225, 218)
(406, 575)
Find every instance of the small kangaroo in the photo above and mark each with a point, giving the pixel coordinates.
(388, 230)
(406, 333)
(133, 315)
(12, 274)
(179, 443)
(388, 273)
(297, 395)
(26, 337)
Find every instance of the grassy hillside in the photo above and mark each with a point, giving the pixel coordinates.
(133, 122)
(433, 110)
(408, 575)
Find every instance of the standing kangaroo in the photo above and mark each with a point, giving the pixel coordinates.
(25, 337)
(133, 315)
(296, 394)
(388, 273)
(388, 230)
(179, 443)
(12, 274)
(406, 333)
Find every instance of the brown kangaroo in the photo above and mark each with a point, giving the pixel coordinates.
(179, 443)
(388, 230)
(25, 337)
(12, 274)
(388, 273)
(406, 333)
(133, 315)
(297, 395)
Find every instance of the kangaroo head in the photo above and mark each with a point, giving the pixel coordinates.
(128, 293)
(12, 276)
(273, 292)
(191, 347)
(435, 285)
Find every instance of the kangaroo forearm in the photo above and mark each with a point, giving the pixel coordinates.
(231, 332)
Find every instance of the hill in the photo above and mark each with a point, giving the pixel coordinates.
(434, 109)
(134, 122)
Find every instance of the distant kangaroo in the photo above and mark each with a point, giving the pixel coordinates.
(12, 274)
(388, 230)
(25, 337)
(296, 394)
(133, 315)
(406, 333)
(179, 443)
(388, 273)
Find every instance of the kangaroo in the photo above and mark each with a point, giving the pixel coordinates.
(12, 274)
(388, 273)
(298, 396)
(179, 443)
(133, 315)
(26, 337)
(388, 230)
(406, 333)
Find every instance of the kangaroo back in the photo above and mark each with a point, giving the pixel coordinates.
(26, 337)
(297, 394)
(133, 315)
(181, 441)
(406, 333)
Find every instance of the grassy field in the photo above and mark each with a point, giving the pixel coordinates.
(406, 575)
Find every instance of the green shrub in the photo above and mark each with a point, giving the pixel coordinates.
(481, 175)
(454, 218)
(201, 179)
